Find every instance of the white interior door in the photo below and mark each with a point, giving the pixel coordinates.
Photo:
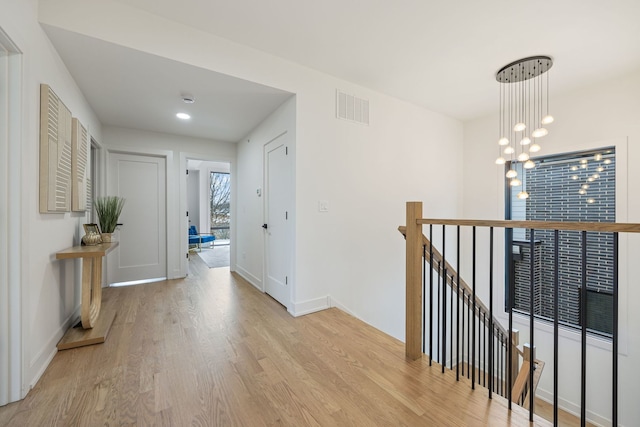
(142, 253)
(277, 207)
(193, 199)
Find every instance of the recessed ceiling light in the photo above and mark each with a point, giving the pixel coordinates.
(183, 116)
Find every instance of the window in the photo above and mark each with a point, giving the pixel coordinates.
(571, 187)
(219, 204)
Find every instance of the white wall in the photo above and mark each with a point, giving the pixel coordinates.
(250, 212)
(50, 289)
(177, 149)
(352, 253)
(597, 116)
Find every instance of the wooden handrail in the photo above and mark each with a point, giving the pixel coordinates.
(608, 227)
(437, 257)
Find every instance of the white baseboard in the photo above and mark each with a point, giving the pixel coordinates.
(43, 358)
(572, 408)
(310, 306)
(253, 280)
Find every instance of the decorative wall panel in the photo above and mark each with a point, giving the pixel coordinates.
(79, 178)
(55, 153)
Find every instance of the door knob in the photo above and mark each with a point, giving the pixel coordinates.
(264, 226)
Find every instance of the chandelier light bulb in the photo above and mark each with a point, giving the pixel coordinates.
(547, 119)
(515, 182)
(607, 161)
(583, 166)
(519, 127)
(539, 133)
(597, 157)
(574, 168)
(582, 191)
(600, 169)
(590, 179)
(585, 186)
(523, 110)
(584, 161)
(595, 176)
(500, 161)
(574, 177)
(523, 195)
(590, 201)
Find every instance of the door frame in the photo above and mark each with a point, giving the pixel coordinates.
(12, 335)
(182, 244)
(170, 196)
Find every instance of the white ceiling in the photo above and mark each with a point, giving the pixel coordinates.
(442, 55)
(133, 89)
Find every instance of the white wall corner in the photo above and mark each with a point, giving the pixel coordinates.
(253, 280)
(310, 306)
(333, 303)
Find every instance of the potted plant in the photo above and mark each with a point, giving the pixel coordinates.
(108, 209)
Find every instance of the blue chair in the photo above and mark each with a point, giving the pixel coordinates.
(196, 239)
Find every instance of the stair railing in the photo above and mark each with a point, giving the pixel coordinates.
(460, 302)
(417, 274)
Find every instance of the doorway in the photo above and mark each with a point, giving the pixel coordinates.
(209, 204)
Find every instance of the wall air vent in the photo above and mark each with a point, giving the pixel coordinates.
(352, 108)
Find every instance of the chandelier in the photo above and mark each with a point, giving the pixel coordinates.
(524, 113)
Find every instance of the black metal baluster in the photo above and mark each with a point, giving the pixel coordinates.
(473, 289)
(614, 332)
(438, 315)
(484, 351)
(583, 323)
(556, 293)
(430, 293)
(444, 303)
(510, 300)
(450, 291)
(469, 333)
(491, 311)
(462, 335)
(424, 296)
(458, 306)
(531, 319)
(501, 368)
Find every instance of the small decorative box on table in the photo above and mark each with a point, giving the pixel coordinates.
(94, 329)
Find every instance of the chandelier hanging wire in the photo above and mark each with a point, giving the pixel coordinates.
(524, 113)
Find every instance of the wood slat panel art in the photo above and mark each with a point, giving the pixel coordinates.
(55, 153)
(79, 170)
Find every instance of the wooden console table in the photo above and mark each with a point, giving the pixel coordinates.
(94, 330)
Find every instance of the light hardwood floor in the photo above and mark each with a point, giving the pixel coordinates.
(211, 350)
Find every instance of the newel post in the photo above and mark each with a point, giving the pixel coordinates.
(413, 325)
